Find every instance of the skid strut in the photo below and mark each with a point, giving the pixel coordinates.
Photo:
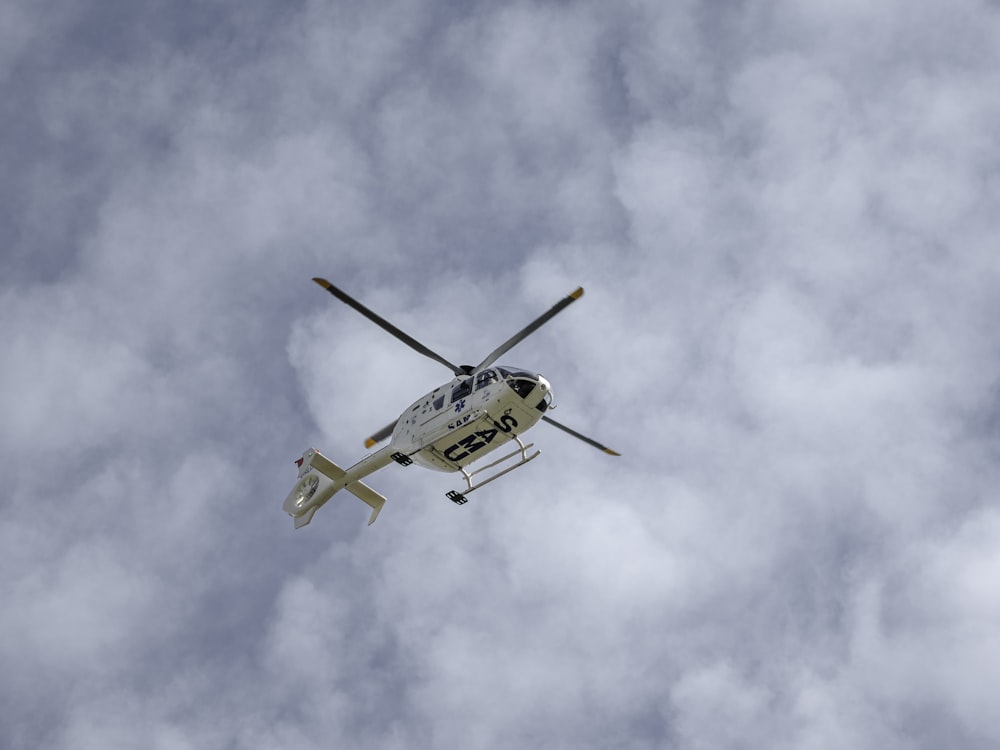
(522, 451)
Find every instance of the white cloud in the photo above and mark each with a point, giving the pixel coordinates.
(783, 220)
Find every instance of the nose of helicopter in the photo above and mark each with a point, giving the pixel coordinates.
(530, 386)
(545, 391)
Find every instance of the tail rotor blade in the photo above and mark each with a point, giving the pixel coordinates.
(530, 328)
(387, 326)
(577, 435)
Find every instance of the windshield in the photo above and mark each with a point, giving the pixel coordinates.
(521, 382)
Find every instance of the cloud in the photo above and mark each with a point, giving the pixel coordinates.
(784, 222)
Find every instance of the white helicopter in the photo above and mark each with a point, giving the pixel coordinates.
(453, 426)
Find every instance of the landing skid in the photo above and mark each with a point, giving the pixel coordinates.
(459, 498)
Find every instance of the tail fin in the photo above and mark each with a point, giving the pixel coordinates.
(319, 479)
(306, 517)
(367, 495)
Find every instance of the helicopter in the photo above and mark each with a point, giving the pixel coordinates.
(483, 408)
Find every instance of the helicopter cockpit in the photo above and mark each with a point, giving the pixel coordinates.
(524, 384)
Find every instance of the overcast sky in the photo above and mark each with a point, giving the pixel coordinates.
(785, 217)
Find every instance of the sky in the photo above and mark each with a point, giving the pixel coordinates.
(784, 217)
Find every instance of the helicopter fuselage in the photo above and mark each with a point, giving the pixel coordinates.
(461, 421)
(451, 427)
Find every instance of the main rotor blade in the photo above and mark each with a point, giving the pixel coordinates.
(529, 329)
(584, 438)
(387, 326)
(381, 435)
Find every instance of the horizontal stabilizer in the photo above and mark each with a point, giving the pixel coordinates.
(369, 496)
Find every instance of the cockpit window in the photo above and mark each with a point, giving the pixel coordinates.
(545, 403)
(521, 387)
(508, 373)
(486, 377)
(521, 382)
(461, 390)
